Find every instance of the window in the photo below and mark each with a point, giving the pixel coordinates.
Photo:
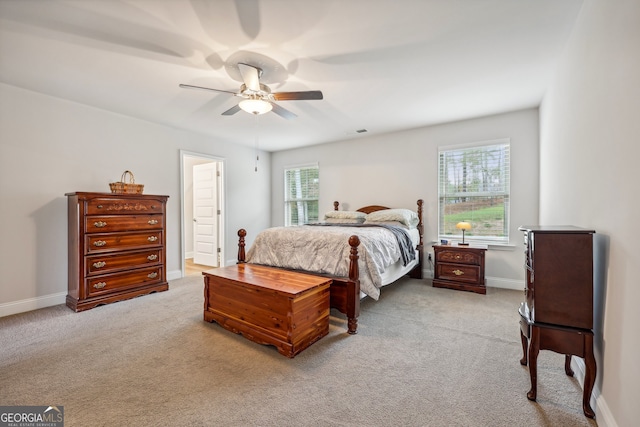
(301, 193)
(473, 186)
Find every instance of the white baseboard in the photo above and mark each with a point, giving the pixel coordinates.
(15, 307)
(188, 255)
(174, 275)
(498, 282)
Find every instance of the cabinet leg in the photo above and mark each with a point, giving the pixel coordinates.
(589, 376)
(525, 343)
(534, 349)
(567, 365)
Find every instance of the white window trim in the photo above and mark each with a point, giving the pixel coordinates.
(482, 240)
(284, 183)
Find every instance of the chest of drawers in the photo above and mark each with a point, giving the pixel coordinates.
(459, 267)
(117, 247)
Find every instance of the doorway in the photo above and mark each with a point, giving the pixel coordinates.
(202, 212)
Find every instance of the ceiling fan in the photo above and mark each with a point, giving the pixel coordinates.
(258, 98)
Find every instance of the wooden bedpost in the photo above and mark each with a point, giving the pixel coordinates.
(241, 255)
(336, 204)
(353, 287)
(416, 273)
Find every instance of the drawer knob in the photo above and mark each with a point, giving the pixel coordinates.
(99, 243)
(458, 257)
(152, 221)
(458, 272)
(99, 264)
(100, 224)
(152, 257)
(99, 206)
(152, 275)
(100, 285)
(152, 238)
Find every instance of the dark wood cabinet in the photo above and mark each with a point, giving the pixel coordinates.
(557, 313)
(459, 267)
(117, 247)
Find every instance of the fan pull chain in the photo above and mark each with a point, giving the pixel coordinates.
(257, 129)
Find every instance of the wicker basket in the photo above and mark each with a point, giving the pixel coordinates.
(126, 187)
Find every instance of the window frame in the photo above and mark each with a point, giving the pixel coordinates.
(304, 200)
(504, 192)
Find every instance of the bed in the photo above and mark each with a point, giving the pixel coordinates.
(361, 251)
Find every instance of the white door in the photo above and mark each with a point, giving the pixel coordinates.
(205, 214)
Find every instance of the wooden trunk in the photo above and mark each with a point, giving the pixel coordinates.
(266, 305)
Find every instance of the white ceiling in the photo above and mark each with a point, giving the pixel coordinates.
(382, 65)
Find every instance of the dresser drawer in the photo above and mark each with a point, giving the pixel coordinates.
(103, 223)
(458, 272)
(101, 264)
(96, 243)
(458, 257)
(119, 206)
(117, 281)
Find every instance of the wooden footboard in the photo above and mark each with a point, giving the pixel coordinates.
(344, 291)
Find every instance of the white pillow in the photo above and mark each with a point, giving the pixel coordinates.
(403, 216)
(345, 215)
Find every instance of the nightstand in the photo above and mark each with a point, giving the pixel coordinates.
(459, 267)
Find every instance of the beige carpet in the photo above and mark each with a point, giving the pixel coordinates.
(423, 357)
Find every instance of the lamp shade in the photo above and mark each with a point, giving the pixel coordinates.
(463, 225)
(255, 106)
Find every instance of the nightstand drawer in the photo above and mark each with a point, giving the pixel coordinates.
(458, 257)
(459, 273)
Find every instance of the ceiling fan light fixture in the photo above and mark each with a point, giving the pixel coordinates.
(255, 106)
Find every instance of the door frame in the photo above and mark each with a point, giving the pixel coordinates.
(221, 203)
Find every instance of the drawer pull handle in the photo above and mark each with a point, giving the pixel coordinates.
(100, 224)
(152, 257)
(152, 275)
(99, 264)
(458, 272)
(99, 243)
(100, 285)
(99, 206)
(152, 238)
(152, 222)
(458, 257)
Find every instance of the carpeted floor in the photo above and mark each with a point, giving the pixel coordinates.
(423, 357)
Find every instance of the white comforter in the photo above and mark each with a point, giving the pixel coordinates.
(326, 250)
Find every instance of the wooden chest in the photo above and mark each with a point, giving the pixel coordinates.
(116, 247)
(267, 305)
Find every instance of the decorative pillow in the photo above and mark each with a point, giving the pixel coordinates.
(404, 216)
(346, 215)
(344, 220)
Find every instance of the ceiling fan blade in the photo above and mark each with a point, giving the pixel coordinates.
(283, 112)
(231, 111)
(206, 88)
(295, 96)
(250, 76)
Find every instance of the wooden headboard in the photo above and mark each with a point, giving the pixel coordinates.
(365, 209)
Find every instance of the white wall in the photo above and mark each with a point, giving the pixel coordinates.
(49, 147)
(397, 169)
(589, 151)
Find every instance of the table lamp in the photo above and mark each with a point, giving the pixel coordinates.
(463, 225)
